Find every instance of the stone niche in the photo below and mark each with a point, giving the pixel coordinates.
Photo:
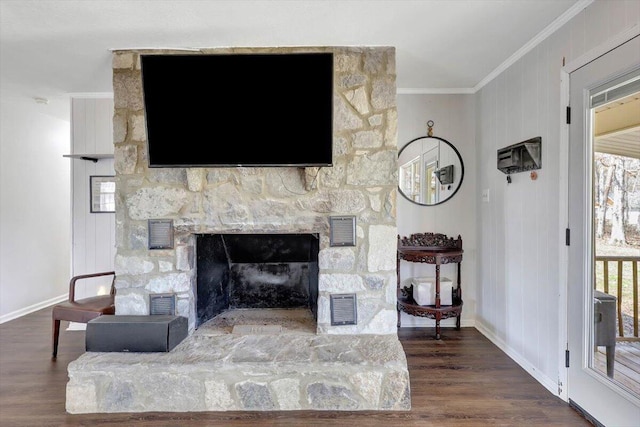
(350, 367)
(255, 271)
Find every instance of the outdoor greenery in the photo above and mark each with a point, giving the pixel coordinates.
(617, 226)
(617, 196)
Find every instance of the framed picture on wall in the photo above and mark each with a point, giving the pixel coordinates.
(102, 193)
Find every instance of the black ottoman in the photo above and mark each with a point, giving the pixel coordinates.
(157, 333)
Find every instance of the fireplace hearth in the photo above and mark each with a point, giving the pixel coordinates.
(217, 369)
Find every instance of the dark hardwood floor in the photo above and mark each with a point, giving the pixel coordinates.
(462, 380)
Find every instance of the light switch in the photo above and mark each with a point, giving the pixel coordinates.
(485, 195)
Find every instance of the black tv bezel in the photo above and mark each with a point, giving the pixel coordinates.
(236, 165)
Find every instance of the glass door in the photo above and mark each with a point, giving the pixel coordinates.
(603, 146)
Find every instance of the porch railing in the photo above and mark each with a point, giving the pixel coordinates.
(621, 294)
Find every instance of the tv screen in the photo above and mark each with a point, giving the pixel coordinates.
(227, 110)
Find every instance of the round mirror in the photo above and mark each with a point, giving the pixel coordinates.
(431, 170)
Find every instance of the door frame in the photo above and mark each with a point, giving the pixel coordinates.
(563, 192)
(570, 212)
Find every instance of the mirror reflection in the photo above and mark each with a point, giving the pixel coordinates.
(430, 170)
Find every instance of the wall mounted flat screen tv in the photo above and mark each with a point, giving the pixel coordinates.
(228, 110)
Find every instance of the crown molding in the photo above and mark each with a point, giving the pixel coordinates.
(539, 38)
(427, 91)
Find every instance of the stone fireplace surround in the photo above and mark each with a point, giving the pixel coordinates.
(345, 367)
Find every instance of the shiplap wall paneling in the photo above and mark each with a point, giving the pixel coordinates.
(520, 233)
(93, 233)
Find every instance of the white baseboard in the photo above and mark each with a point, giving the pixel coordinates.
(74, 326)
(409, 321)
(547, 382)
(35, 307)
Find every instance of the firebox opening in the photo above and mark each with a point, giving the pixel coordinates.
(255, 271)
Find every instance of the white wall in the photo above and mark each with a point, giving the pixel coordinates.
(520, 234)
(454, 120)
(35, 217)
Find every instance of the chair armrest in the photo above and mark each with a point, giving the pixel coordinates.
(74, 279)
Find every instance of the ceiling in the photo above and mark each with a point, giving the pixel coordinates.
(59, 48)
(617, 127)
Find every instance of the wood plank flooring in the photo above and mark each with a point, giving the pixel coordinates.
(462, 380)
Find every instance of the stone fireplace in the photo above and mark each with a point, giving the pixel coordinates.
(214, 210)
(362, 182)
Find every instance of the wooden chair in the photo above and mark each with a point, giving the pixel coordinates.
(82, 310)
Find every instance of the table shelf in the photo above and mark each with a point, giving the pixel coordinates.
(437, 249)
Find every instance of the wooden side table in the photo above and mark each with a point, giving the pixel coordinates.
(431, 248)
